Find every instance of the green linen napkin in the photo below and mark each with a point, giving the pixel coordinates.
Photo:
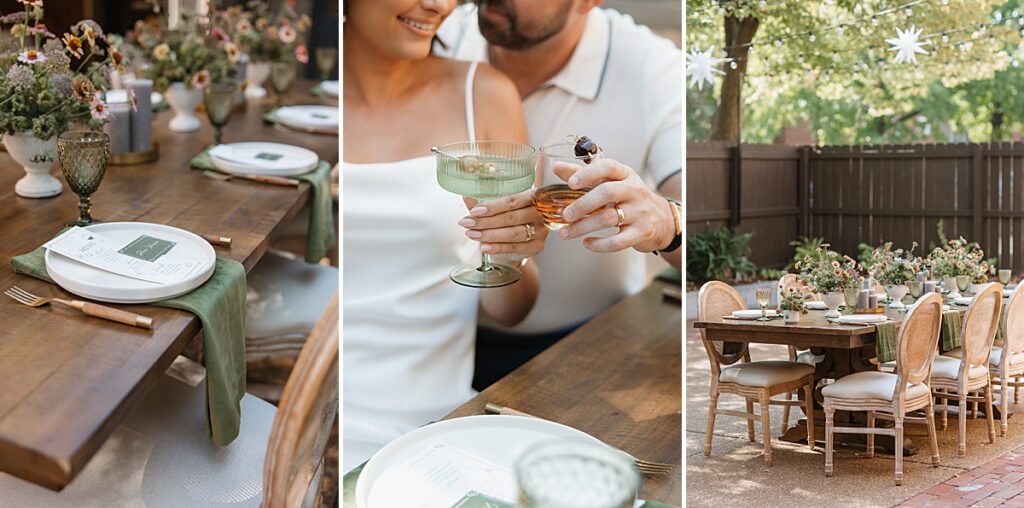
(220, 306)
(321, 235)
(950, 335)
(885, 341)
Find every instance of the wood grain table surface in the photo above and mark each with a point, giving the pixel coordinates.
(617, 378)
(813, 330)
(68, 379)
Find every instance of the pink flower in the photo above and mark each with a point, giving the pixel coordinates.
(301, 53)
(287, 34)
(219, 34)
(98, 109)
(201, 79)
(32, 56)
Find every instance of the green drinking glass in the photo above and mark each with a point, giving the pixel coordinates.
(565, 473)
(326, 58)
(282, 75)
(83, 160)
(219, 99)
(485, 170)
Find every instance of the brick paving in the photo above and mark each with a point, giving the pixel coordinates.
(999, 482)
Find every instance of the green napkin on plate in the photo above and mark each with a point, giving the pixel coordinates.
(220, 305)
(321, 235)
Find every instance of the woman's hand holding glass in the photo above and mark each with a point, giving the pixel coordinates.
(508, 227)
(618, 198)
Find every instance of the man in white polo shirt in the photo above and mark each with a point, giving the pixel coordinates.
(586, 71)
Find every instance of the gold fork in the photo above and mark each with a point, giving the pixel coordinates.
(24, 297)
(644, 466)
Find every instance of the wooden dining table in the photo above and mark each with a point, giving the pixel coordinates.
(68, 379)
(618, 378)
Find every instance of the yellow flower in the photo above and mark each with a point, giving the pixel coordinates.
(160, 52)
(74, 44)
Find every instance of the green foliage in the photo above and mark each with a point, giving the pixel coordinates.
(803, 247)
(771, 274)
(718, 254)
(846, 84)
(864, 255)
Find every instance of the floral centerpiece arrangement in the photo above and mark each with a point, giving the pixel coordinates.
(958, 258)
(48, 83)
(829, 273)
(894, 269)
(182, 62)
(793, 304)
(268, 36)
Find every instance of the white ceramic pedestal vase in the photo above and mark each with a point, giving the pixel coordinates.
(184, 101)
(950, 283)
(791, 317)
(833, 301)
(256, 73)
(896, 294)
(36, 158)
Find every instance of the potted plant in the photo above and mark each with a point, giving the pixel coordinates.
(792, 305)
(42, 94)
(894, 269)
(182, 62)
(828, 273)
(268, 37)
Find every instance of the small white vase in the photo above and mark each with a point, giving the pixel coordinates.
(833, 301)
(950, 283)
(896, 294)
(256, 73)
(184, 101)
(36, 157)
(791, 317)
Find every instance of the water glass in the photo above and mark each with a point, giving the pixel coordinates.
(570, 473)
(326, 58)
(219, 99)
(282, 75)
(83, 160)
(916, 288)
(764, 297)
(1005, 276)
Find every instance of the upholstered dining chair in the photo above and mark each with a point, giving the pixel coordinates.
(162, 457)
(732, 372)
(792, 280)
(1007, 361)
(891, 396)
(960, 377)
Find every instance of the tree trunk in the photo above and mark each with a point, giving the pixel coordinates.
(997, 122)
(738, 33)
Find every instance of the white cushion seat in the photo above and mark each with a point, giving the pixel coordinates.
(162, 457)
(871, 385)
(286, 296)
(997, 356)
(766, 373)
(948, 368)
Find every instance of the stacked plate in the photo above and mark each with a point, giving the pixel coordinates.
(104, 286)
(752, 313)
(862, 319)
(330, 88)
(309, 117)
(263, 158)
(437, 464)
(963, 300)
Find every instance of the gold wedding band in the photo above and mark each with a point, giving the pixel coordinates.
(530, 232)
(622, 216)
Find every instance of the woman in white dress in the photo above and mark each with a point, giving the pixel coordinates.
(409, 331)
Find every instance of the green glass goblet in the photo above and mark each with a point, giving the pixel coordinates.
(83, 160)
(220, 100)
(282, 75)
(326, 59)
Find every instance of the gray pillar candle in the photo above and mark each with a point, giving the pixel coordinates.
(142, 116)
(119, 127)
(873, 300)
(863, 299)
(922, 277)
(929, 286)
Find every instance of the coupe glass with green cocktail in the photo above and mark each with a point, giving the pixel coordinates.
(485, 170)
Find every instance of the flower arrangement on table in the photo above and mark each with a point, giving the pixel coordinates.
(48, 83)
(828, 271)
(264, 34)
(894, 267)
(958, 257)
(793, 301)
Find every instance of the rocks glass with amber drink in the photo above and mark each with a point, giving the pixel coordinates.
(554, 195)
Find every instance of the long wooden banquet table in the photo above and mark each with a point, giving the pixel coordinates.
(69, 379)
(617, 378)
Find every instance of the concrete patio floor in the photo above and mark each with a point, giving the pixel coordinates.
(737, 475)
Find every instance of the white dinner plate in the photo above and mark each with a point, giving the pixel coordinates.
(309, 117)
(258, 157)
(752, 313)
(330, 87)
(963, 300)
(816, 305)
(1007, 293)
(862, 319)
(387, 480)
(96, 284)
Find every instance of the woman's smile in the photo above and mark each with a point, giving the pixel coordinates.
(421, 28)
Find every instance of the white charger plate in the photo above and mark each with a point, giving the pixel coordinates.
(497, 439)
(963, 300)
(309, 117)
(100, 285)
(862, 319)
(294, 160)
(752, 313)
(330, 87)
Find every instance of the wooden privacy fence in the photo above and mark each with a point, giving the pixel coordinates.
(854, 194)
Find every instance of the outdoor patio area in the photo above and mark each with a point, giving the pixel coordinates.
(737, 474)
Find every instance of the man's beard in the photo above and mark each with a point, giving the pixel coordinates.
(512, 36)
